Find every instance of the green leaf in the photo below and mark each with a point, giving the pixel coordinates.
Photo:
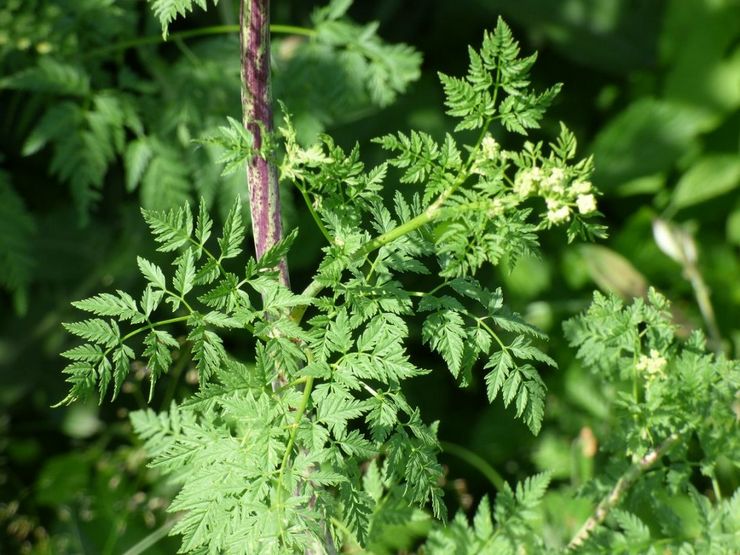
(150, 300)
(635, 530)
(203, 226)
(275, 296)
(171, 228)
(274, 255)
(444, 332)
(339, 336)
(158, 345)
(95, 330)
(84, 353)
(17, 232)
(106, 304)
(711, 176)
(165, 182)
(336, 408)
(185, 273)
(152, 273)
(208, 352)
(50, 76)
(232, 238)
(136, 161)
(168, 10)
(122, 358)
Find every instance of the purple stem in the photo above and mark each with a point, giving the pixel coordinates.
(264, 196)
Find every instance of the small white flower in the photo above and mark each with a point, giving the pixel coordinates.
(526, 181)
(553, 180)
(496, 208)
(552, 203)
(557, 174)
(477, 167)
(580, 187)
(489, 147)
(558, 215)
(586, 204)
(653, 365)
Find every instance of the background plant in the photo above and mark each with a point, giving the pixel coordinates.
(576, 402)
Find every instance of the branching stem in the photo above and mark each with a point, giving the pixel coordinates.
(314, 214)
(294, 430)
(614, 497)
(429, 215)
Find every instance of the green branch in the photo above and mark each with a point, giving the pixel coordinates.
(137, 331)
(614, 497)
(429, 215)
(314, 214)
(476, 461)
(291, 440)
(193, 33)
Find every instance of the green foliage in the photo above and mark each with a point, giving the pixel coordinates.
(497, 68)
(349, 356)
(385, 69)
(282, 422)
(16, 232)
(671, 394)
(508, 529)
(93, 95)
(168, 10)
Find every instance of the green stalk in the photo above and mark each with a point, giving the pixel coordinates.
(429, 215)
(298, 416)
(614, 497)
(476, 461)
(314, 214)
(151, 539)
(193, 33)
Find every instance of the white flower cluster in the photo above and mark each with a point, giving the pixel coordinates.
(489, 147)
(552, 185)
(652, 365)
(490, 150)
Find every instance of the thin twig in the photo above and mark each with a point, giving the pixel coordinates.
(624, 483)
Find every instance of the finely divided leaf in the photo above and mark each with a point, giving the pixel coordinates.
(185, 273)
(152, 273)
(444, 332)
(106, 304)
(232, 237)
(95, 330)
(171, 228)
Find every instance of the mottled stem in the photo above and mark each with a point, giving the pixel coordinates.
(264, 196)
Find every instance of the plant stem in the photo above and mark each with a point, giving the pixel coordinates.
(254, 41)
(429, 215)
(152, 538)
(151, 326)
(314, 214)
(614, 497)
(292, 30)
(291, 440)
(193, 33)
(701, 292)
(476, 461)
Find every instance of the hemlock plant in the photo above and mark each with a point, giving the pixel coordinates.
(311, 446)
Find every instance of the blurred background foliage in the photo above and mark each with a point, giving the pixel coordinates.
(99, 116)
